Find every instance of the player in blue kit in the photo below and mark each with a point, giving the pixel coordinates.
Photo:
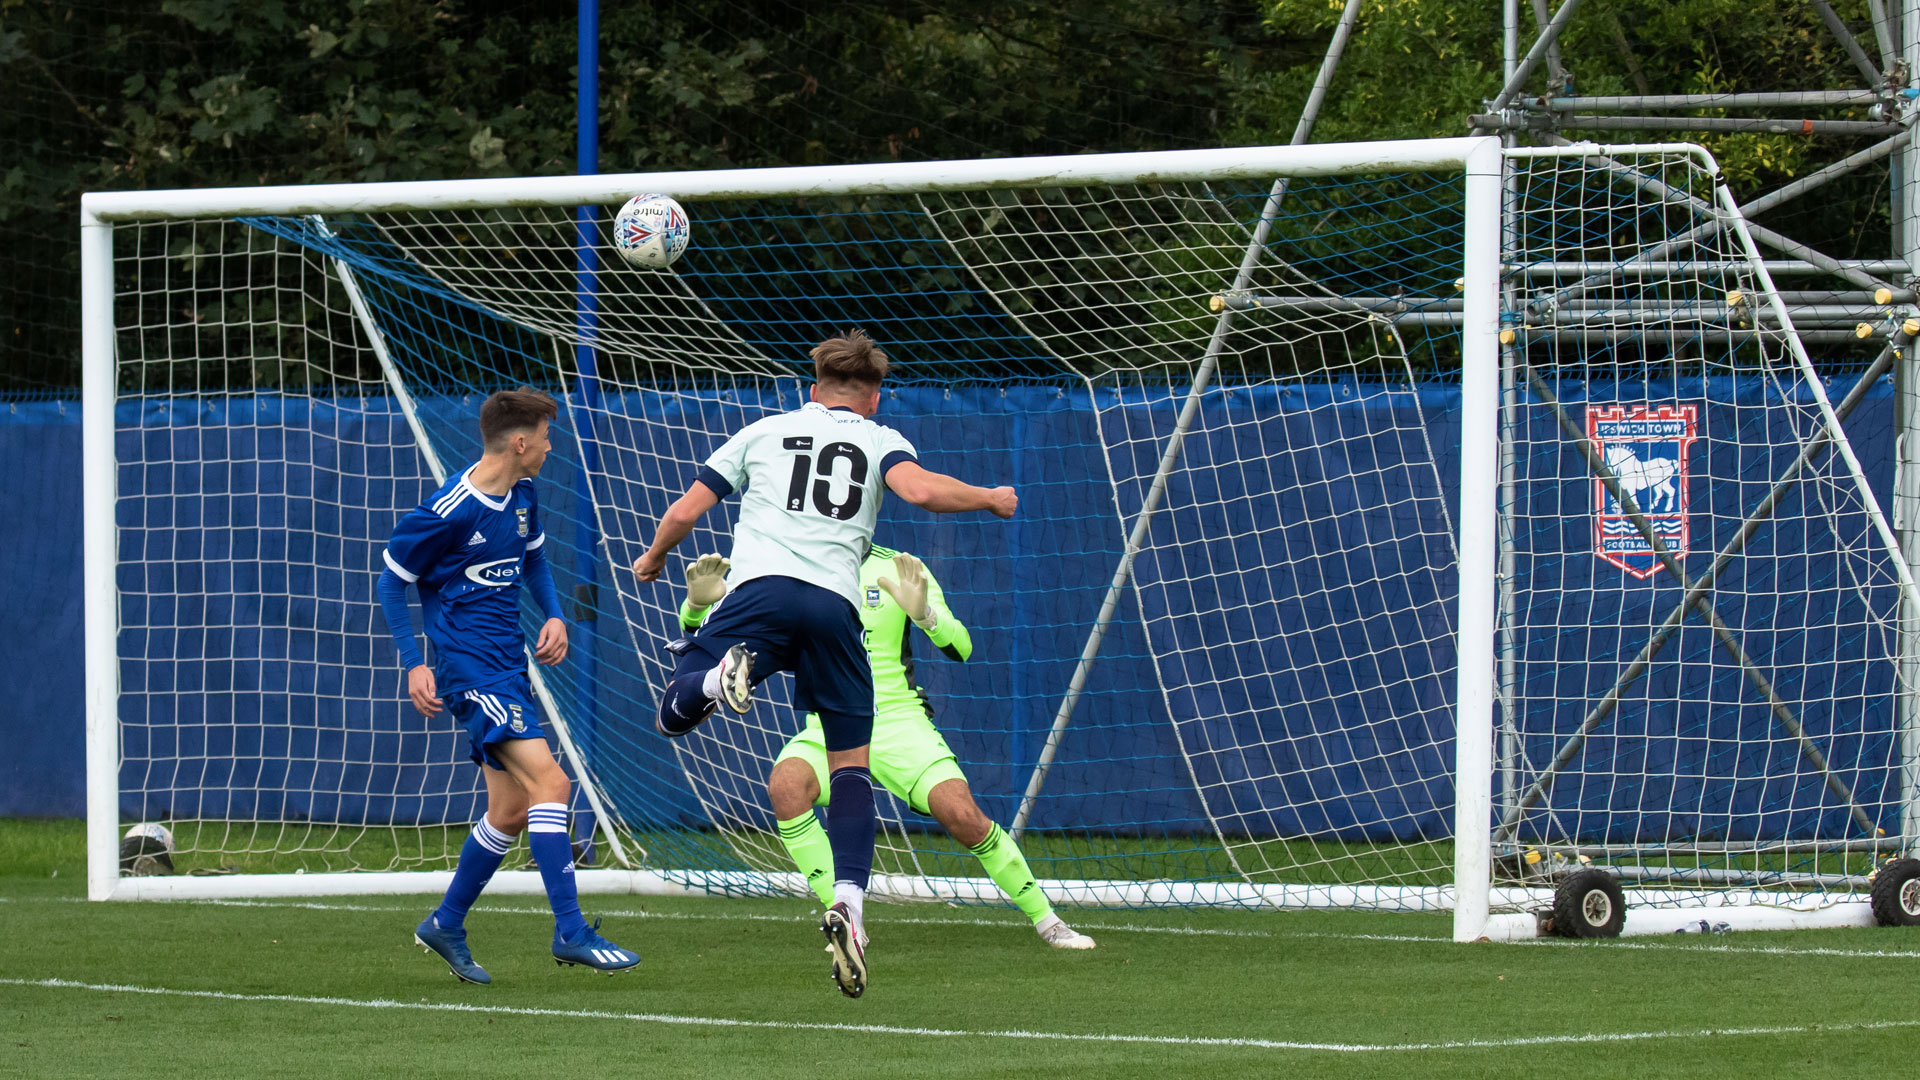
(811, 483)
(467, 548)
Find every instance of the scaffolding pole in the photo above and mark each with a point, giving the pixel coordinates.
(1906, 483)
(1524, 70)
(1771, 100)
(1848, 42)
(1538, 121)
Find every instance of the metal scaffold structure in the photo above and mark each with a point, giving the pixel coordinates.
(1858, 313)
(1864, 299)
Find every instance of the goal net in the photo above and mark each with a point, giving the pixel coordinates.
(1701, 601)
(1305, 606)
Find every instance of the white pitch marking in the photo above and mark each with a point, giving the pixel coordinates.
(888, 1029)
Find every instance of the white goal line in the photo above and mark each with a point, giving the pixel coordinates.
(1650, 911)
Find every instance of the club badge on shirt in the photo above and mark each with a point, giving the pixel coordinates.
(873, 596)
(520, 516)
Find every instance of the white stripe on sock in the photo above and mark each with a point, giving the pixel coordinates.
(491, 838)
(547, 817)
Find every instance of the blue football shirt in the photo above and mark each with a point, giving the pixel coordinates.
(465, 551)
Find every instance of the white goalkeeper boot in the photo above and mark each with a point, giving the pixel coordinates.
(1055, 932)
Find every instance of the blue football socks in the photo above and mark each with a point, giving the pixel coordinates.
(547, 836)
(479, 858)
(851, 824)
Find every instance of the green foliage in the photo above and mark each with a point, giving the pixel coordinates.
(236, 92)
(1420, 68)
(190, 93)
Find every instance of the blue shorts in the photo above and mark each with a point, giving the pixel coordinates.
(791, 625)
(495, 713)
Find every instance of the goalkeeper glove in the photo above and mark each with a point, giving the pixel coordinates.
(707, 580)
(910, 592)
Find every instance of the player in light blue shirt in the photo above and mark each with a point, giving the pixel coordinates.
(466, 549)
(811, 483)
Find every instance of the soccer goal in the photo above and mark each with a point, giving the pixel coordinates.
(1410, 526)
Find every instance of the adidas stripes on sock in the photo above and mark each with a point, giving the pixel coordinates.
(547, 836)
(479, 857)
(1001, 859)
(812, 853)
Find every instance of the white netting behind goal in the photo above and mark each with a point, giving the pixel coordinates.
(1747, 741)
(260, 467)
(1270, 718)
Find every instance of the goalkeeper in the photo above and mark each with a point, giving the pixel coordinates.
(909, 756)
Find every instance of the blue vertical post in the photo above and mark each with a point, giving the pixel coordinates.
(1017, 763)
(584, 407)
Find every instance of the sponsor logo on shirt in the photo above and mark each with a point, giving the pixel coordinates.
(496, 573)
(476, 540)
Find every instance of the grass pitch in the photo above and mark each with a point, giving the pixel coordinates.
(740, 988)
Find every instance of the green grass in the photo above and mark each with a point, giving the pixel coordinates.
(1803, 1004)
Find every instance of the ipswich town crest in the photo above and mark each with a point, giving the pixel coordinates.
(1646, 448)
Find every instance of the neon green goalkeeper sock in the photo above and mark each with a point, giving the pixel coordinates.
(807, 842)
(1001, 859)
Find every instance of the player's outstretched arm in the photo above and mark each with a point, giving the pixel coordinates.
(674, 527)
(943, 494)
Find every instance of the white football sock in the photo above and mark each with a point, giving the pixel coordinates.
(855, 897)
(710, 686)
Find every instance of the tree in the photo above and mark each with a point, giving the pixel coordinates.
(1420, 68)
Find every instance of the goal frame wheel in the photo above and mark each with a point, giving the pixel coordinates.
(1896, 893)
(1589, 904)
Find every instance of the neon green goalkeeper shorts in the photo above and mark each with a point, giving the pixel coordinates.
(908, 755)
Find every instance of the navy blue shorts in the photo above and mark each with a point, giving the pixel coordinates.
(495, 713)
(791, 625)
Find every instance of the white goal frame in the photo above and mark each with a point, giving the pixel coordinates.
(1479, 159)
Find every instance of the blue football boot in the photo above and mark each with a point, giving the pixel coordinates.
(450, 944)
(589, 949)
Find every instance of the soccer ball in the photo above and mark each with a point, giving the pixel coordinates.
(651, 231)
(147, 849)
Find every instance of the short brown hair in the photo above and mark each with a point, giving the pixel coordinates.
(508, 411)
(850, 361)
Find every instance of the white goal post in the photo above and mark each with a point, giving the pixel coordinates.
(1321, 428)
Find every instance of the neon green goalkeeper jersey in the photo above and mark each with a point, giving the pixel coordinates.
(889, 645)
